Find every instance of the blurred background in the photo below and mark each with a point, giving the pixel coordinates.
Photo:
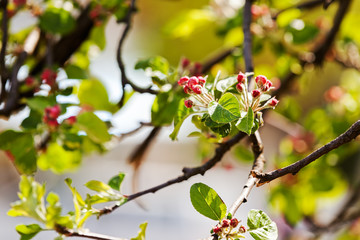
(323, 103)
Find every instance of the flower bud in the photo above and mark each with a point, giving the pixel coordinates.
(182, 81)
(70, 120)
(187, 89)
(193, 81)
(242, 229)
(202, 81)
(241, 77)
(185, 63)
(216, 230)
(260, 80)
(188, 103)
(29, 81)
(197, 89)
(273, 102)
(255, 93)
(234, 222)
(225, 223)
(239, 87)
(49, 77)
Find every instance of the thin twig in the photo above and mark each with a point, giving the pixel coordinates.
(5, 35)
(124, 79)
(258, 165)
(294, 168)
(70, 233)
(187, 172)
(247, 50)
(302, 5)
(209, 63)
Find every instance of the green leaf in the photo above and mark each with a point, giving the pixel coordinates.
(261, 227)
(28, 231)
(245, 124)
(32, 120)
(59, 160)
(56, 20)
(39, 103)
(98, 186)
(223, 130)
(96, 129)
(53, 210)
(141, 234)
(97, 35)
(21, 146)
(164, 108)
(31, 202)
(182, 113)
(90, 88)
(207, 202)
(75, 72)
(155, 64)
(115, 182)
(226, 110)
(224, 84)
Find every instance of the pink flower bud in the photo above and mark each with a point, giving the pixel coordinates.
(185, 63)
(241, 77)
(255, 93)
(273, 102)
(198, 67)
(266, 87)
(225, 223)
(183, 81)
(188, 103)
(52, 123)
(234, 222)
(216, 230)
(197, 89)
(239, 87)
(53, 112)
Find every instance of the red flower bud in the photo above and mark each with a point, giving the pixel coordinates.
(197, 89)
(202, 80)
(239, 87)
(216, 230)
(185, 63)
(19, 3)
(255, 93)
(183, 81)
(273, 102)
(242, 229)
(70, 120)
(52, 123)
(53, 112)
(49, 77)
(198, 66)
(225, 223)
(187, 89)
(241, 77)
(193, 81)
(260, 80)
(234, 222)
(29, 81)
(188, 103)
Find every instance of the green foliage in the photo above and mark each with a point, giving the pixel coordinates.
(207, 202)
(115, 182)
(141, 234)
(182, 113)
(226, 110)
(164, 108)
(56, 20)
(246, 123)
(261, 227)
(28, 231)
(95, 129)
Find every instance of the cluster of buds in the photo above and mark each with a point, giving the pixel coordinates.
(192, 68)
(253, 99)
(195, 87)
(228, 229)
(50, 116)
(97, 14)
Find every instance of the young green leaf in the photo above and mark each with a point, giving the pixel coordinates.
(226, 110)
(98, 186)
(95, 128)
(27, 232)
(115, 182)
(261, 227)
(57, 20)
(207, 202)
(245, 124)
(141, 234)
(164, 108)
(75, 72)
(182, 113)
(226, 83)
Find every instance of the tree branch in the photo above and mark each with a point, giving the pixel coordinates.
(294, 168)
(302, 5)
(258, 165)
(187, 172)
(4, 40)
(70, 233)
(124, 79)
(247, 50)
